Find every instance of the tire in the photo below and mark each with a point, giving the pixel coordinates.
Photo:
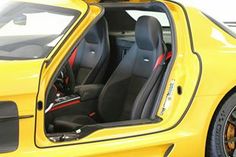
(215, 143)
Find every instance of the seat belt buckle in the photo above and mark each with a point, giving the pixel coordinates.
(92, 114)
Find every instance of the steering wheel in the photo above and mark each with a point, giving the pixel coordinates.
(65, 81)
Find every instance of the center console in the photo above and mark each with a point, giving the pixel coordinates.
(62, 102)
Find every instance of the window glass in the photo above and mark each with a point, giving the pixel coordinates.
(162, 17)
(29, 31)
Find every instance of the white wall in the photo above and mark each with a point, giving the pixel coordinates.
(223, 11)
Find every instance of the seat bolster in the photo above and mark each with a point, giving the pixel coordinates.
(145, 99)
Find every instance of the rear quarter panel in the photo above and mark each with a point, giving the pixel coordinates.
(218, 54)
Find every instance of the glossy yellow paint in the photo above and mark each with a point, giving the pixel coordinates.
(217, 51)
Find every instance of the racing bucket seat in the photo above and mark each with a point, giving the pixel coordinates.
(130, 91)
(89, 60)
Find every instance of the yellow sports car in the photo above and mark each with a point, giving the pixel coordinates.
(132, 78)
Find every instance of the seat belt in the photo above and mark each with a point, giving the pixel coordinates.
(161, 57)
(72, 58)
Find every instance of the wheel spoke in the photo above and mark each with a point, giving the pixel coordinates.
(232, 122)
(234, 114)
(231, 140)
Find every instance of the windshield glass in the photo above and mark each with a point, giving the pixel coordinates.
(31, 31)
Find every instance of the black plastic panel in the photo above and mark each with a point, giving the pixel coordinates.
(9, 127)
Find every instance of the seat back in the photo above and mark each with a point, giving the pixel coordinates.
(92, 55)
(128, 81)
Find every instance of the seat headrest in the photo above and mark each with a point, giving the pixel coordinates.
(148, 32)
(94, 35)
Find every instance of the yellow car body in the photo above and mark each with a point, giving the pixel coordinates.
(203, 69)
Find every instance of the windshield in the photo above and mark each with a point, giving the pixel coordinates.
(31, 31)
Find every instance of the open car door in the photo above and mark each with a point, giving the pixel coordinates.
(135, 136)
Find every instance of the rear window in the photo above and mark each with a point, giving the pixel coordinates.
(31, 31)
(126, 28)
(161, 17)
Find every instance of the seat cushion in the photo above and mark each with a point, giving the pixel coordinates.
(71, 123)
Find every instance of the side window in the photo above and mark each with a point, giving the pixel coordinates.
(161, 17)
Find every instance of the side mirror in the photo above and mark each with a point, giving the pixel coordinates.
(20, 20)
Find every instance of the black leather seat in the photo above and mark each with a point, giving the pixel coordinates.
(129, 92)
(92, 55)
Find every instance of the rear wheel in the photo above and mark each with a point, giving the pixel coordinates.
(222, 134)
